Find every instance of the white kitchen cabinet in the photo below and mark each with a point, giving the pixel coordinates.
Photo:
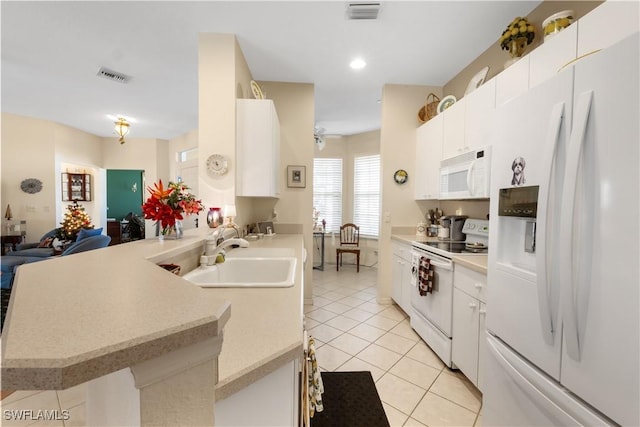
(453, 129)
(469, 310)
(607, 24)
(513, 81)
(427, 161)
(401, 274)
(271, 401)
(257, 149)
(552, 55)
(480, 108)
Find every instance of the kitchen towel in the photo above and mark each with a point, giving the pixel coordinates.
(316, 388)
(425, 276)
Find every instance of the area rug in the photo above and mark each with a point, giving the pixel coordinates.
(350, 399)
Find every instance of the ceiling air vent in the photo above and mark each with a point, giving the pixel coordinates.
(364, 10)
(113, 75)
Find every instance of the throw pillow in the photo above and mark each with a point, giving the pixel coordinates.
(88, 232)
(46, 242)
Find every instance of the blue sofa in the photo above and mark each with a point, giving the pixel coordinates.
(13, 260)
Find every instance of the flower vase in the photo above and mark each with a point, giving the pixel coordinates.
(516, 49)
(173, 232)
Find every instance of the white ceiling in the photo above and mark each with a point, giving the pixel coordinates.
(51, 52)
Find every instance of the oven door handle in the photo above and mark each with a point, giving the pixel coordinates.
(443, 265)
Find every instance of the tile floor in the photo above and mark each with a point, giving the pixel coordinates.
(353, 333)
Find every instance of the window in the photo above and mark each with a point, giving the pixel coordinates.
(327, 191)
(366, 194)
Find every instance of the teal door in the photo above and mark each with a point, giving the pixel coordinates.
(125, 192)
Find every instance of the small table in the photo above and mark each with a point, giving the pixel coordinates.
(319, 235)
(12, 240)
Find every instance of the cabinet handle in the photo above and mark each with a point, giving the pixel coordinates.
(473, 305)
(483, 312)
(478, 285)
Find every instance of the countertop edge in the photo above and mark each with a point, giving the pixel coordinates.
(472, 262)
(260, 369)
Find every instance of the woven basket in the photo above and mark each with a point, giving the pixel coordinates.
(173, 268)
(429, 110)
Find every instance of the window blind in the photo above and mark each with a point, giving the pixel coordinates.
(366, 194)
(327, 191)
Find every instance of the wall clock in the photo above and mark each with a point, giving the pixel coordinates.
(401, 176)
(31, 185)
(217, 164)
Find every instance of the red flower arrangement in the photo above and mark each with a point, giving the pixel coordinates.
(167, 206)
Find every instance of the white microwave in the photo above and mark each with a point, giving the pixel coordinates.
(466, 176)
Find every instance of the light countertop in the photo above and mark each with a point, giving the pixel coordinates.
(474, 262)
(79, 317)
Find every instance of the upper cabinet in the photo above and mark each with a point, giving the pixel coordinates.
(428, 155)
(257, 149)
(454, 129)
(480, 107)
(607, 24)
(513, 81)
(553, 55)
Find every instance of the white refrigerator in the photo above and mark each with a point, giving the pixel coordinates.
(563, 270)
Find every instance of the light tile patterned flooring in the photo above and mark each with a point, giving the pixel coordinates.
(355, 333)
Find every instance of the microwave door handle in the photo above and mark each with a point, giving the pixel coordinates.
(470, 177)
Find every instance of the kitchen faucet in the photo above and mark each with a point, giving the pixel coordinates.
(215, 243)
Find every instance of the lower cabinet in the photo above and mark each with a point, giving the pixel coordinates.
(401, 275)
(270, 401)
(469, 312)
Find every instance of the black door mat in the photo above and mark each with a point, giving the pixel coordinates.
(350, 399)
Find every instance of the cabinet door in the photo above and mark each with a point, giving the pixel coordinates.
(557, 51)
(257, 148)
(482, 345)
(396, 285)
(407, 289)
(453, 130)
(513, 81)
(465, 334)
(428, 156)
(480, 109)
(606, 25)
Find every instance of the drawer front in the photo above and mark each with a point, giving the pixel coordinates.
(401, 250)
(471, 282)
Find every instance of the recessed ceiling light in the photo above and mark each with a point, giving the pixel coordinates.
(357, 64)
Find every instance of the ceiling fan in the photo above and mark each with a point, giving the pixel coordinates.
(318, 137)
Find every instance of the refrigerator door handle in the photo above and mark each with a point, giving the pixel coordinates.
(543, 253)
(574, 150)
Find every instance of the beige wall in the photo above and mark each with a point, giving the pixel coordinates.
(495, 57)
(294, 103)
(35, 148)
(217, 116)
(400, 105)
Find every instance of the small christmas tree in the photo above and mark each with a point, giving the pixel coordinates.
(74, 219)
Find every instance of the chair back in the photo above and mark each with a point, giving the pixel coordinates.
(88, 244)
(349, 235)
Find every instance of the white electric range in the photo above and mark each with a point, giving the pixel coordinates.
(431, 315)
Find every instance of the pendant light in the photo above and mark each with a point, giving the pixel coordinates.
(121, 128)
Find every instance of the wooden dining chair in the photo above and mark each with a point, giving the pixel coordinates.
(349, 243)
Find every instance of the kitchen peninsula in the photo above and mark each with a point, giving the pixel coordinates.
(87, 316)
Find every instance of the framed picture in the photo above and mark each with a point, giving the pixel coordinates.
(296, 176)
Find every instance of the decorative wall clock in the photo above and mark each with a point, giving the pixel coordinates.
(401, 176)
(31, 185)
(217, 164)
